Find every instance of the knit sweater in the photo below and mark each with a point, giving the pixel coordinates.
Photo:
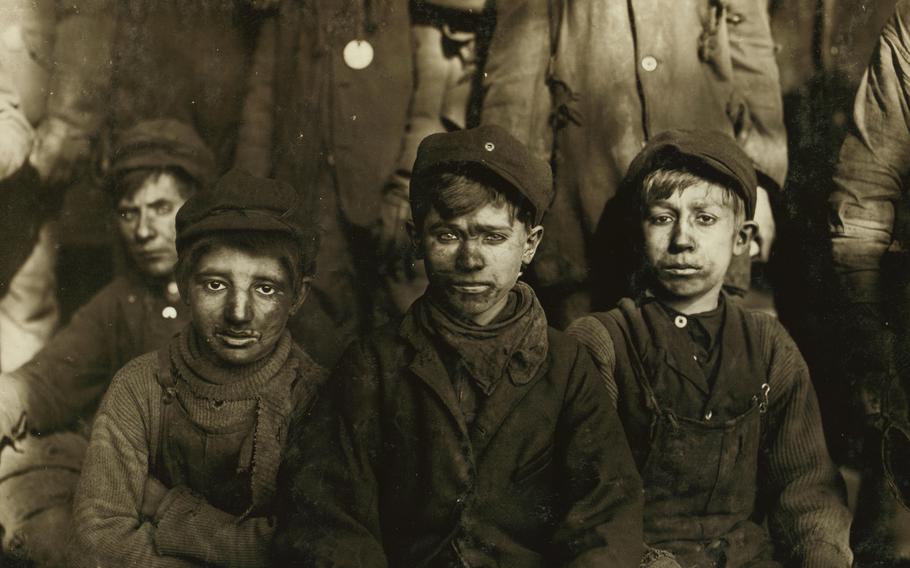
(188, 529)
(803, 493)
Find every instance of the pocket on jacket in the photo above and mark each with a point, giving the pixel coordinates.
(534, 466)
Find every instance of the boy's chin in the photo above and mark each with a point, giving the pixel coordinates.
(683, 291)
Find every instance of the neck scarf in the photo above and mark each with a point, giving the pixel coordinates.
(514, 344)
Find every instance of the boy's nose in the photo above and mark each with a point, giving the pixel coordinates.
(682, 238)
(469, 256)
(238, 308)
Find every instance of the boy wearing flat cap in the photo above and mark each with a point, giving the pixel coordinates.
(469, 433)
(185, 448)
(716, 401)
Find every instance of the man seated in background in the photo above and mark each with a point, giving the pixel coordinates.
(185, 448)
(716, 400)
(469, 433)
(154, 168)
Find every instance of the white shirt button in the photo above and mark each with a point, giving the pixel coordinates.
(489, 146)
(680, 321)
(649, 63)
(169, 313)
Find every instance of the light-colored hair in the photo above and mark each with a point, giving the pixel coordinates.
(662, 183)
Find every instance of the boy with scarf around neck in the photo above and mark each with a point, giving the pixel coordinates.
(469, 433)
(185, 448)
(716, 400)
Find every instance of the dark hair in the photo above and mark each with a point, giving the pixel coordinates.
(664, 182)
(126, 182)
(297, 257)
(456, 193)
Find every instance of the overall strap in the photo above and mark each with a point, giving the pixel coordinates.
(617, 325)
(167, 380)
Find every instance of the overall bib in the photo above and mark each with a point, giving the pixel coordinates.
(700, 474)
(242, 483)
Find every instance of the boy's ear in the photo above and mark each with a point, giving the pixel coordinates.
(415, 238)
(531, 244)
(301, 295)
(744, 236)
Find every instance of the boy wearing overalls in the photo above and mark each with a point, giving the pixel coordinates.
(716, 400)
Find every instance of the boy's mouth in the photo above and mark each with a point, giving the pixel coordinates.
(680, 269)
(237, 339)
(468, 287)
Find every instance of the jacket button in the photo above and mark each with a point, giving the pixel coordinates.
(680, 321)
(649, 63)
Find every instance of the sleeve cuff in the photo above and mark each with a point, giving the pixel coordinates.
(824, 555)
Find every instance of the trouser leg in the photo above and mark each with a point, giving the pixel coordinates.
(37, 484)
(28, 311)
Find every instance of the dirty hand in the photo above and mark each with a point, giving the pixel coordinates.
(152, 496)
(395, 246)
(767, 229)
(11, 410)
(15, 145)
(57, 156)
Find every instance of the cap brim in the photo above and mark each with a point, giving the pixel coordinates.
(233, 221)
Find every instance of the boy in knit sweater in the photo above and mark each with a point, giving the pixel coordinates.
(181, 466)
(716, 401)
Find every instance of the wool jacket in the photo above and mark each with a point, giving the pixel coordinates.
(186, 529)
(801, 490)
(586, 84)
(388, 473)
(307, 111)
(64, 382)
(184, 60)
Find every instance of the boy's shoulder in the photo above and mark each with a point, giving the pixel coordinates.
(772, 334)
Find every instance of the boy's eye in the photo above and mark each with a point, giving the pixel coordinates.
(128, 214)
(446, 237)
(266, 289)
(214, 285)
(496, 237)
(705, 219)
(164, 208)
(661, 219)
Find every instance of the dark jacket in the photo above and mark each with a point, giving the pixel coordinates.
(308, 111)
(184, 60)
(387, 473)
(64, 382)
(586, 87)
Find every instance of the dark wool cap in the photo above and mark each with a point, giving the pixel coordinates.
(242, 202)
(163, 143)
(489, 147)
(703, 152)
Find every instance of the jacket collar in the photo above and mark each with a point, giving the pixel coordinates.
(428, 366)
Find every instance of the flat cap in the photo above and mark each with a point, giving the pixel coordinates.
(489, 147)
(239, 201)
(708, 153)
(163, 143)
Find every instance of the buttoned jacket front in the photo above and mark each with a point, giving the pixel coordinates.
(387, 472)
